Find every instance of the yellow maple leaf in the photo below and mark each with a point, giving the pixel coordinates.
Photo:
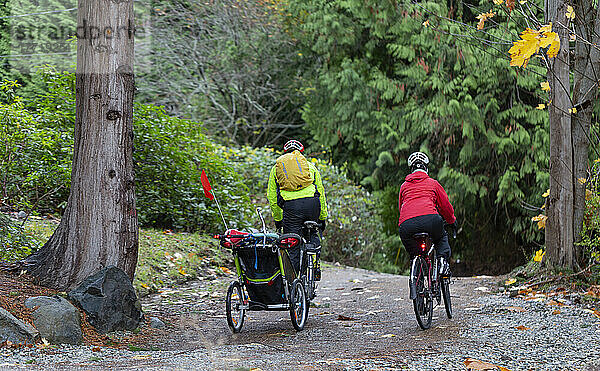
(531, 42)
(573, 110)
(570, 12)
(509, 281)
(546, 194)
(541, 220)
(539, 255)
(484, 17)
(545, 86)
(144, 285)
(541, 106)
(426, 23)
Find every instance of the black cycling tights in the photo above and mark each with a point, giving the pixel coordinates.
(432, 224)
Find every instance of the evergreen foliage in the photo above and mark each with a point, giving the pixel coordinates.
(389, 85)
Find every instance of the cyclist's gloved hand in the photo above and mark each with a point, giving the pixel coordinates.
(278, 224)
(322, 225)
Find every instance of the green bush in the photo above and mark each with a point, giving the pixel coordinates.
(169, 155)
(36, 150)
(15, 242)
(34, 155)
(590, 233)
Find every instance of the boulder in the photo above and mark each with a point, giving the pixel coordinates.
(109, 300)
(56, 319)
(14, 330)
(156, 323)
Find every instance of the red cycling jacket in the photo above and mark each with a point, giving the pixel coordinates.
(422, 195)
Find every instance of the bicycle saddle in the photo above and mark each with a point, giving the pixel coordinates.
(311, 224)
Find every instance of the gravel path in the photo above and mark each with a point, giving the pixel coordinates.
(363, 320)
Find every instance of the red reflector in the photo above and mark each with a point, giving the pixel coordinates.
(270, 283)
(216, 236)
(423, 246)
(290, 242)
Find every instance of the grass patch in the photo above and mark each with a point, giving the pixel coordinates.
(165, 258)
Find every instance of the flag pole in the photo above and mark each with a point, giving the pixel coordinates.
(219, 207)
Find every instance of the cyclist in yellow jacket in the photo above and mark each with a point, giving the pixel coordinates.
(291, 209)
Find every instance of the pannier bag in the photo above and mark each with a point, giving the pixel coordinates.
(292, 172)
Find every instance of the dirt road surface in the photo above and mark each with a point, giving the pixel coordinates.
(362, 320)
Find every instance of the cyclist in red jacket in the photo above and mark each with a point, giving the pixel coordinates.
(424, 206)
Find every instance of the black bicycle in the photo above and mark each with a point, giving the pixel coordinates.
(310, 252)
(426, 284)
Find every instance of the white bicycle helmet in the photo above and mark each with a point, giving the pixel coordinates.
(292, 145)
(417, 156)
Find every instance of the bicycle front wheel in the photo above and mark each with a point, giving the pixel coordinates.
(423, 302)
(445, 284)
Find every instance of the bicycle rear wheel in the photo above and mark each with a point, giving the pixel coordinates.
(423, 303)
(445, 285)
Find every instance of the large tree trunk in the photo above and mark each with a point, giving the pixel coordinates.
(99, 227)
(585, 95)
(559, 226)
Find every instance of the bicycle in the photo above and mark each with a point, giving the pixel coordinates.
(426, 284)
(309, 257)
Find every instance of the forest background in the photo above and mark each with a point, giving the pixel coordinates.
(222, 84)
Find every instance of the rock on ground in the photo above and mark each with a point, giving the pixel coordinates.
(15, 330)
(56, 319)
(109, 300)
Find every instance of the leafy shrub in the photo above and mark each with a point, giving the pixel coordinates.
(169, 155)
(37, 150)
(15, 242)
(590, 233)
(34, 155)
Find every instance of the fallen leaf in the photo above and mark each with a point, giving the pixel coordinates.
(509, 281)
(541, 106)
(477, 365)
(141, 356)
(341, 317)
(573, 110)
(516, 309)
(556, 311)
(540, 253)
(426, 23)
(554, 302)
(498, 2)
(225, 270)
(522, 328)
(546, 194)
(388, 336)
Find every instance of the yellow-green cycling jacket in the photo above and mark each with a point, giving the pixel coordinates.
(293, 195)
